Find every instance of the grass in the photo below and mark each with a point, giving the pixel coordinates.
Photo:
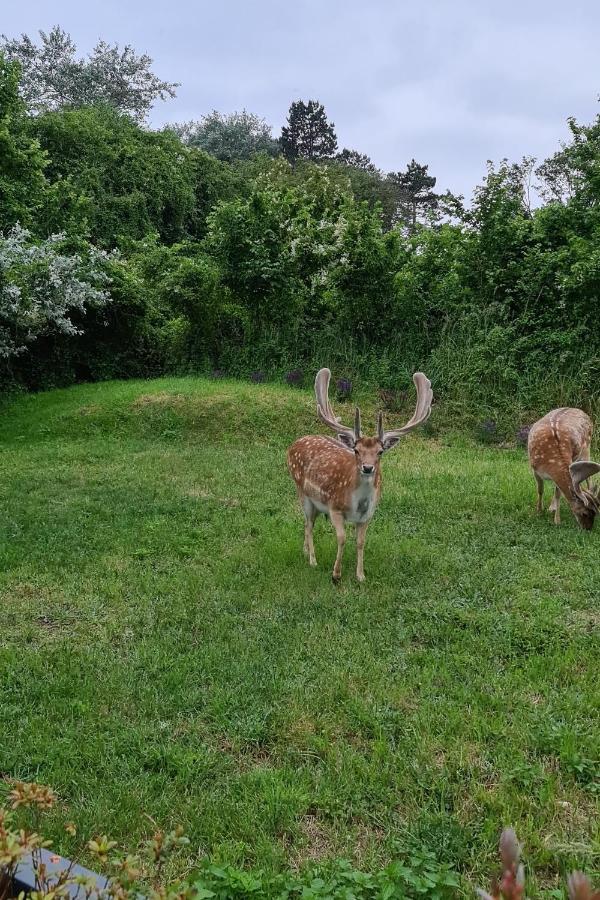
(166, 651)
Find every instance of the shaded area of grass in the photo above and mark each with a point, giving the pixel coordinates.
(165, 649)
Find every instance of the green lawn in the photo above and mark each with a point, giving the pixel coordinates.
(166, 650)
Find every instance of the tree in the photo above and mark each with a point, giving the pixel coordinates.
(356, 160)
(414, 192)
(53, 76)
(22, 162)
(240, 135)
(308, 134)
(132, 181)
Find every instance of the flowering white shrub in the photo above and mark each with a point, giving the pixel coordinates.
(41, 287)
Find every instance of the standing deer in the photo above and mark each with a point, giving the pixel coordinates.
(341, 476)
(559, 451)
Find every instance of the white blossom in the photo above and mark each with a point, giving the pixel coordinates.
(41, 288)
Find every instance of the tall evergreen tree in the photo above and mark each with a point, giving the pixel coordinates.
(355, 160)
(414, 192)
(308, 134)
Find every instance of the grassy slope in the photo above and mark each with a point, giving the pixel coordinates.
(165, 649)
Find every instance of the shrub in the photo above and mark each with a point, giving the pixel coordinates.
(44, 290)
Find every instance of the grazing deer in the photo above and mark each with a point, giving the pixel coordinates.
(340, 476)
(559, 451)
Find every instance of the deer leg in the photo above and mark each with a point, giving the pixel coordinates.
(555, 505)
(337, 520)
(310, 514)
(540, 493)
(361, 533)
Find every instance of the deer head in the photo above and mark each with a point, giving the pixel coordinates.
(368, 450)
(586, 502)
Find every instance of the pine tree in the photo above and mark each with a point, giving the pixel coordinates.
(414, 190)
(308, 134)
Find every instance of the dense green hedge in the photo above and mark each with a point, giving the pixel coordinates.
(260, 266)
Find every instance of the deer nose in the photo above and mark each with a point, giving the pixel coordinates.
(368, 470)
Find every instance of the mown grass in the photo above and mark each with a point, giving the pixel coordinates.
(166, 651)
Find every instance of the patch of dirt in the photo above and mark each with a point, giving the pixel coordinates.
(317, 843)
(585, 619)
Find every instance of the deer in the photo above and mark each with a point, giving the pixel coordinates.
(558, 447)
(340, 476)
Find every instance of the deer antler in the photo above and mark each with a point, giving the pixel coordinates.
(325, 412)
(421, 413)
(581, 471)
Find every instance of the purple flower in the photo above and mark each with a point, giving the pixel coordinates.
(522, 435)
(294, 378)
(257, 377)
(344, 388)
(217, 373)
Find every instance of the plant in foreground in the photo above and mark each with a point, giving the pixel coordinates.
(511, 885)
(143, 876)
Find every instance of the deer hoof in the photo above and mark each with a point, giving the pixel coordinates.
(360, 578)
(336, 578)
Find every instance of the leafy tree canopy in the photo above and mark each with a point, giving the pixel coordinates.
(237, 136)
(53, 76)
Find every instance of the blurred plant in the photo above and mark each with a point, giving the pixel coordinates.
(522, 435)
(257, 377)
(344, 388)
(295, 378)
(487, 431)
(393, 401)
(217, 373)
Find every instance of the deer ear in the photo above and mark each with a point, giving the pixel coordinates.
(347, 440)
(390, 441)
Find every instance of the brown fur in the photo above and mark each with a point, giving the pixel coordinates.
(559, 439)
(341, 477)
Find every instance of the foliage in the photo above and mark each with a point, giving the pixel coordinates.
(132, 182)
(260, 263)
(237, 136)
(355, 160)
(308, 133)
(22, 162)
(414, 192)
(44, 290)
(53, 77)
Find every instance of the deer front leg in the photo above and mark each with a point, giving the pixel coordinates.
(540, 493)
(361, 533)
(555, 505)
(337, 520)
(310, 514)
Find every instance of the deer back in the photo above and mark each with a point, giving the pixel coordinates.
(558, 439)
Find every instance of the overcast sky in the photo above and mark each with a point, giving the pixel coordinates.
(449, 82)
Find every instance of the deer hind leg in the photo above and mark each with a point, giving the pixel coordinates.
(310, 514)
(540, 492)
(361, 533)
(337, 520)
(555, 505)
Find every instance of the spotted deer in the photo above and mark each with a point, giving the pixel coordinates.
(559, 451)
(341, 476)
